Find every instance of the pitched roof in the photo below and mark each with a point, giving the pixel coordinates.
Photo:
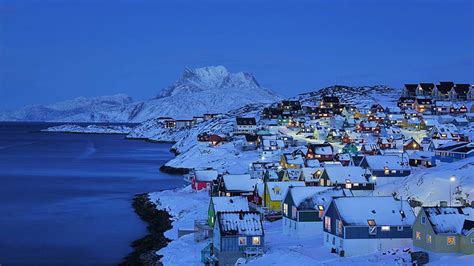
(239, 182)
(448, 220)
(383, 210)
(300, 194)
(227, 204)
(240, 223)
(277, 190)
(206, 175)
(341, 175)
(393, 162)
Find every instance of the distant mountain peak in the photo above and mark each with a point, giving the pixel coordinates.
(209, 78)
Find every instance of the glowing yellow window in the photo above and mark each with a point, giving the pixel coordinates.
(418, 235)
(451, 240)
(256, 241)
(428, 238)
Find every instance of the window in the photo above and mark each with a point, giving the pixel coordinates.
(423, 220)
(371, 222)
(472, 240)
(321, 211)
(327, 223)
(372, 230)
(339, 227)
(386, 171)
(418, 235)
(242, 241)
(327, 238)
(394, 171)
(385, 228)
(333, 240)
(451, 240)
(285, 209)
(428, 238)
(256, 241)
(348, 185)
(400, 228)
(294, 212)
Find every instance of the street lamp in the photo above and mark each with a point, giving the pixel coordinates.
(451, 181)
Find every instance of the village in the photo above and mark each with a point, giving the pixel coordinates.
(318, 177)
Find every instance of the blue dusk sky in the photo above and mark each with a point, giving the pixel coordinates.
(57, 50)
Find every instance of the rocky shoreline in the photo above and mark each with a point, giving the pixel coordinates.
(145, 248)
(174, 171)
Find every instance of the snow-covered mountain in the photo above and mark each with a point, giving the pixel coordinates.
(197, 91)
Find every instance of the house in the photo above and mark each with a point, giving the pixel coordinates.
(387, 165)
(410, 90)
(321, 152)
(442, 107)
(236, 185)
(350, 177)
(345, 159)
(352, 137)
(454, 151)
(225, 204)
(385, 143)
(360, 225)
(211, 116)
(291, 106)
(377, 108)
(250, 143)
(310, 175)
(212, 139)
(329, 102)
(406, 102)
(303, 209)
(423, 105)
(237, 234)
(350, 148)
(203, 179)
(272, 112)
(441, 91)
(460, 121)
(444, 229)
(246, 124)
(422, 158)
(368, 127)
(445, 131)
(170, 123)
(411, 145)
(274, 193)
(291, 161)
(461, 92)
(184, 123)
(272, 144)
(425, 89)
(369, 149)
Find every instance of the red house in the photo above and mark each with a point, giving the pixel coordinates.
(321, 152)
(203, 179)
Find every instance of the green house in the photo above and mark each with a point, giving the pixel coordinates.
(225, 204)
(445, 229)
(350, 148)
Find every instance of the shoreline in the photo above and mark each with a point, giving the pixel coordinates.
(174, 171)
(159, 221)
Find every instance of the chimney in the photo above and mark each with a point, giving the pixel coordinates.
(443, 204)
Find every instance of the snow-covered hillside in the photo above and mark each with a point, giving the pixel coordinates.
(361, 97)
(198, 91)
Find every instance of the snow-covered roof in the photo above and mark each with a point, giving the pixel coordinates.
(342, 175)
(239, 182)
(228, 204)
(448, 220)
(323, 198)
(277, 190)
(299, 194)
(240, 223)
(206, 175)
(392, 162)
(313, 163)
(383, 210)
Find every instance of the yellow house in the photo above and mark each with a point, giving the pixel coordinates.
(290, 161)
(274, 193)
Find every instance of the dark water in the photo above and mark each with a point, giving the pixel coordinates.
(66, 198)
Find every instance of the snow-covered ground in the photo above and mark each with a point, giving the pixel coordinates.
(186, 206)
(96, 129)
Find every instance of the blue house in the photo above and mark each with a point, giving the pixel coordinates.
(237, 234)
(387, 165)
(454, 151)
(361, 225)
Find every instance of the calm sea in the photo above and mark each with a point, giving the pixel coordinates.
(65, 199)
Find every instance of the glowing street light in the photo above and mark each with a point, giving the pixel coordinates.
(452, 179)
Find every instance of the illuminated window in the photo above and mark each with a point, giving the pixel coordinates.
(327, 223)
(428, 238)
(418, 235)
(385, 228)
(451, 240)
(256, 241)
(242, 241)
(371, 222)
(285, 209)
(339, 227)
(386, 170)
